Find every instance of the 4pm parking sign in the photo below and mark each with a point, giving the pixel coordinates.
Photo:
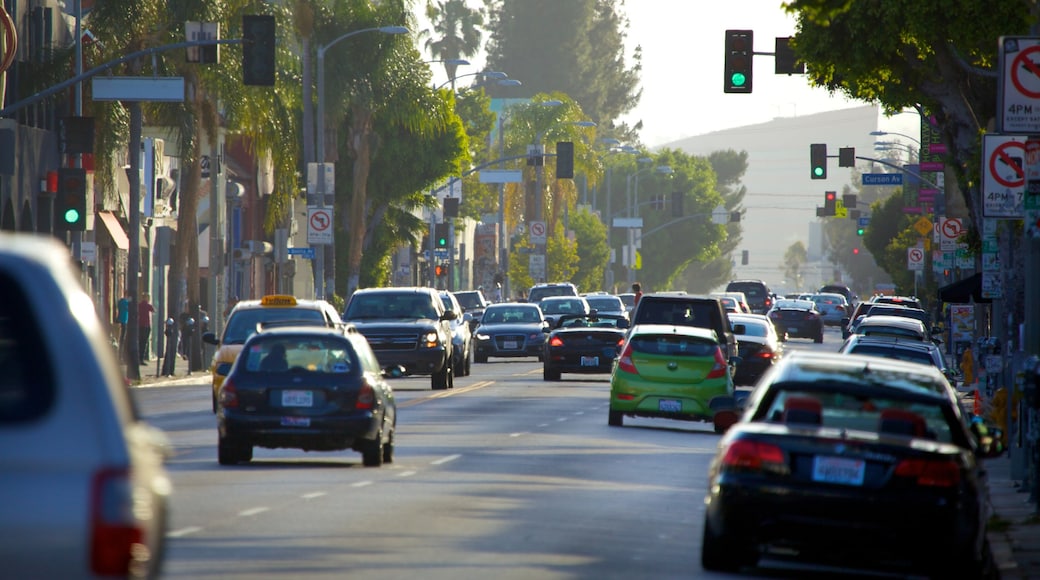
(1018, 85)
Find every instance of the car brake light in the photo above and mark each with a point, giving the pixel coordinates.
(718, 370)
(763, 354)
(754, 456)
(117, 538)
(930, 472)
(556, 341)
(625, 362)
(366, 398)
(228, 395)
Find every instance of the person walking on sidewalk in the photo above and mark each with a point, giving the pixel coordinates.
(122, 318)
(637, 289)
(144, 326)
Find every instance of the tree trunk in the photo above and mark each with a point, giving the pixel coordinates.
(360, 147)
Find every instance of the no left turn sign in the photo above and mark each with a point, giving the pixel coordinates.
(319, 225)
(1018, 85)
(915, 258)
(1003, 175)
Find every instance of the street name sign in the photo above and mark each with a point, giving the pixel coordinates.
(882, 179)
(305, 253)
(158, 89)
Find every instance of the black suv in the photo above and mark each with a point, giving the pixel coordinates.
(683, 309)
(759, 296)
(409, 327)
(539, 291)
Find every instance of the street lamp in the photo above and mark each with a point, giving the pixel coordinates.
(633, 209)
(893, 145)
(882, 133)
(500, 78)
(323, 290)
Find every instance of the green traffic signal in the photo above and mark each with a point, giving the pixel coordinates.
(71, 216)
(738, 79)
(859, 231)
(818, 171)
(441, 242)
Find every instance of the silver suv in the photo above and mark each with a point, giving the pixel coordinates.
(84, 487)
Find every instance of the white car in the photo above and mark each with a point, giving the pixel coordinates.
(84, 489)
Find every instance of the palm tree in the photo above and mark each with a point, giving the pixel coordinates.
(458, 32)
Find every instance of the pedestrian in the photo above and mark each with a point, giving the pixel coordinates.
(122, 318)
(144, 326)
(968, 367)
(637, 289)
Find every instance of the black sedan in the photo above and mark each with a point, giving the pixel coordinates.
(309, 388)
(846, 460)
(797, 319)
(760, 347)
(583, 344)
(510, 329)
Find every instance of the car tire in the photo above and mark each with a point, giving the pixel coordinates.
(819, 337)
(480, 359)
(388, 449)
(615, 419)
(468, 362)
(457, 367)
(442, 378)
(372, 452)
(230, 452)
(719, 553)
(214, 396)
(550, 374)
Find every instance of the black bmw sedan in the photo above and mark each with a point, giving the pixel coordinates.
(583, 343)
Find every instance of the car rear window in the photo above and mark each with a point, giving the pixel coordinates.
(680, 312)
(673, 345)
(907, 354)
(298, 354)
(606, 304)
(26, 384)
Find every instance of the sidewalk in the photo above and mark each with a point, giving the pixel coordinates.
(150, 378)
(1014, 528)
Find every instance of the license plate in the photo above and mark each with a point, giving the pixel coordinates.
(590, 361)
(669, 405)
(297, 398)
(792, 329)
(838, 470)
(510, 344)
(296, 421)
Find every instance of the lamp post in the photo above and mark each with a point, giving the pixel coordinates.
(633, 209)
(893, 145)
(499, 77)
(323, 289)
(883, 133)
(608, 281)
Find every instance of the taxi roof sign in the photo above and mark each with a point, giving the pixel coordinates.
(278, 300)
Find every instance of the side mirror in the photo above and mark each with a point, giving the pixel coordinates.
(449, 315)
(736, 360)
(845, 321)
(739, 328)
(467, 316)
(593, 312)
(210, 338)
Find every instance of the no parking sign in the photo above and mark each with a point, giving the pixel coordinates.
(1018, 86)
(1003, 175)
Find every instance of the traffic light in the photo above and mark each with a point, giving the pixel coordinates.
(830, 203)
(70, 203)
(258, 50)
(855, 251)
(440, 235)
(860, 230)
(739, 56)
(565, 160)
(846, 157)
(440, 270)
(818, 160)
(744, 255)
(451, 207)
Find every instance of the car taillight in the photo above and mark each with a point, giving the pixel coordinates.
(763, 354)
(754, 456)
(228, 395)
(718, 370)
(366, 398)
(625, 362)
(930, 472)
(117, 538)
(769, 303)
(556, 341)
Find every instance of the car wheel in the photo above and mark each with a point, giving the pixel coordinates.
(372, 451)
(719, 553)
(214, 395)
(615, 419)
(230, 452)
(457, 367)
(439, 380)
(819, 337)
(550, 374)
(480, 358)
(388, 449)
(469, 361)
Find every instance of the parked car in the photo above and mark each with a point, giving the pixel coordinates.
(539, 291)
(473, 303)
(553, 307)
(409, 327)
(461, 336)
(510, 329)
(797, 319)
(682, 309)
(583, 344)
(847, 460)
(912, 350)
(85, 492)
(759, 296)
(672, 372)
(309, 388)
(248, 315)
(760, 347)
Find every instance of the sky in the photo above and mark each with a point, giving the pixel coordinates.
(682, 43)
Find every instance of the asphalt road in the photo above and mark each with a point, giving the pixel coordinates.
(504, 476)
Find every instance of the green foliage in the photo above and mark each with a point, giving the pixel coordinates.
(576, 47)
(561, 256)
(456, 33)
(593, 253)
(730, 167)
(795, 258)
(519, 272)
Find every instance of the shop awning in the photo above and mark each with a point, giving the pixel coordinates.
(115, 230)
(964, 291)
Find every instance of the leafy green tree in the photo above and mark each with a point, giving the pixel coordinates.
(457, 31)
(730, 167)
(795, 258)
(561, 256)
(575, 47)
(590, 234)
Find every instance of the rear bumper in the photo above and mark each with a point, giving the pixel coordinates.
(322, 433)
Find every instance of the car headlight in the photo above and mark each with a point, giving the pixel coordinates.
(536, 336)
(431, 339)
(482, 336)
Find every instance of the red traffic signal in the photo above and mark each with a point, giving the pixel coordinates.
(855, 251)
(440, 270)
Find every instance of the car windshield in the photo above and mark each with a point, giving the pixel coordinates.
(387, 305)
(562, 307)
(510, 315)
(243, 323)
(299, 354)
(605, 303)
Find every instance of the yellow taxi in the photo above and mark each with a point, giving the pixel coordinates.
(249, 315)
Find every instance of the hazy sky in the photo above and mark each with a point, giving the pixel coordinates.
(682, 42)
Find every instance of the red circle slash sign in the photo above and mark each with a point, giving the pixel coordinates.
(320, 221)
(1004, 154)
(1023, 62)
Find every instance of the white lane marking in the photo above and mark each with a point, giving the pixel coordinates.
(518, 434)
(183, 532)
(444, 460)
(543, 424)
(408, 473)
(361, 484)
(561, 419)
(579, 412)
(253, 511)
(313, 495)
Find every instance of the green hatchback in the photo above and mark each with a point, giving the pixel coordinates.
(673, 372)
